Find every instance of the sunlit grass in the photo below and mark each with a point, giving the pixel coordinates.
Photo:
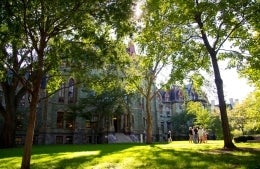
(178, 154)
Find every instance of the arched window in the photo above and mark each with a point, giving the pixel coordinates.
(167, 96)
(60, 119)
(62, 93)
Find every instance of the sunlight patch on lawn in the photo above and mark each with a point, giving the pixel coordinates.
(15, 162)
(63, 155)
(127, 158)
(55, 158)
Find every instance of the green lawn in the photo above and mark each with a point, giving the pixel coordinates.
(178, 154)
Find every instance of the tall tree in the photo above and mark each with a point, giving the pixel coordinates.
(156, 46)
(203, 28)
(41, 26)
(148, 64)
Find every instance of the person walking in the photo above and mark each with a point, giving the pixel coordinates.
(169, 136)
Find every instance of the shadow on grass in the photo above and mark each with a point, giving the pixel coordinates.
(163, 156)
(74, 156)
(241, 158)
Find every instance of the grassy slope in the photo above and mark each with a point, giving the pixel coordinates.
(179, 154)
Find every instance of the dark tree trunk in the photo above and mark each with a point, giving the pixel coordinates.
(7, 138)
(149, 122)
(222, 104)
(219, 84)
(30, 131)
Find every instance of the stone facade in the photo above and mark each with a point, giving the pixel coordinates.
(52, 126)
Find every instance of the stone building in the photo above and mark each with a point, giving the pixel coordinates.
(54, 126)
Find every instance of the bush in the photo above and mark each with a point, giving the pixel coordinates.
(243, 139)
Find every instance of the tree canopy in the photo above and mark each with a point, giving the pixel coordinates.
(200, 31)
(37, 37)
(244, 117)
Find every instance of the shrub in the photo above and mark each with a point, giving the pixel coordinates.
(243, 139)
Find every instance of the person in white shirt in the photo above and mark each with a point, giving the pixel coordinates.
(200, 134)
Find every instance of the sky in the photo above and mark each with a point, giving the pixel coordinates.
(234, 86)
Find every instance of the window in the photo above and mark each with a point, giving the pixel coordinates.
(94, 118)
(62, 94)
(22, 101)
(167, 96)
(71, 92)
(162, 126)
(88, 139)
(168, 113)
(59, 139)
(18, 140)
(69, 124)
(94, 125)
(19, 122)
(88, 124)
(169, 125)
(69, 139)
(60, 119)
(128, 120)
(141, 103)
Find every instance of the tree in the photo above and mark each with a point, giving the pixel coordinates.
(140, 77)
(202, 28)
(181, 123)
(157, 51)
(40, 27)
(152, 41)
(101, 105)
(205, 118)
(202, 115)
(244, 117)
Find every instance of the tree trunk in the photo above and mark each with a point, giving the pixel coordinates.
(228, 144)
(7, 137)
(149, 122)
(30, 132)
(219, 84)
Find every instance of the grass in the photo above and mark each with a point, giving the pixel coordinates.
(178, 154)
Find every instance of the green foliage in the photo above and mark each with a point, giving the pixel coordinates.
(38, 37)
(244, 117)
(204, 118)
(104, 104)
(201, 113)
(215, 126)
(181, 122)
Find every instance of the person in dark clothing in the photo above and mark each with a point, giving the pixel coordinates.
(190, 135)
(195, 135)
